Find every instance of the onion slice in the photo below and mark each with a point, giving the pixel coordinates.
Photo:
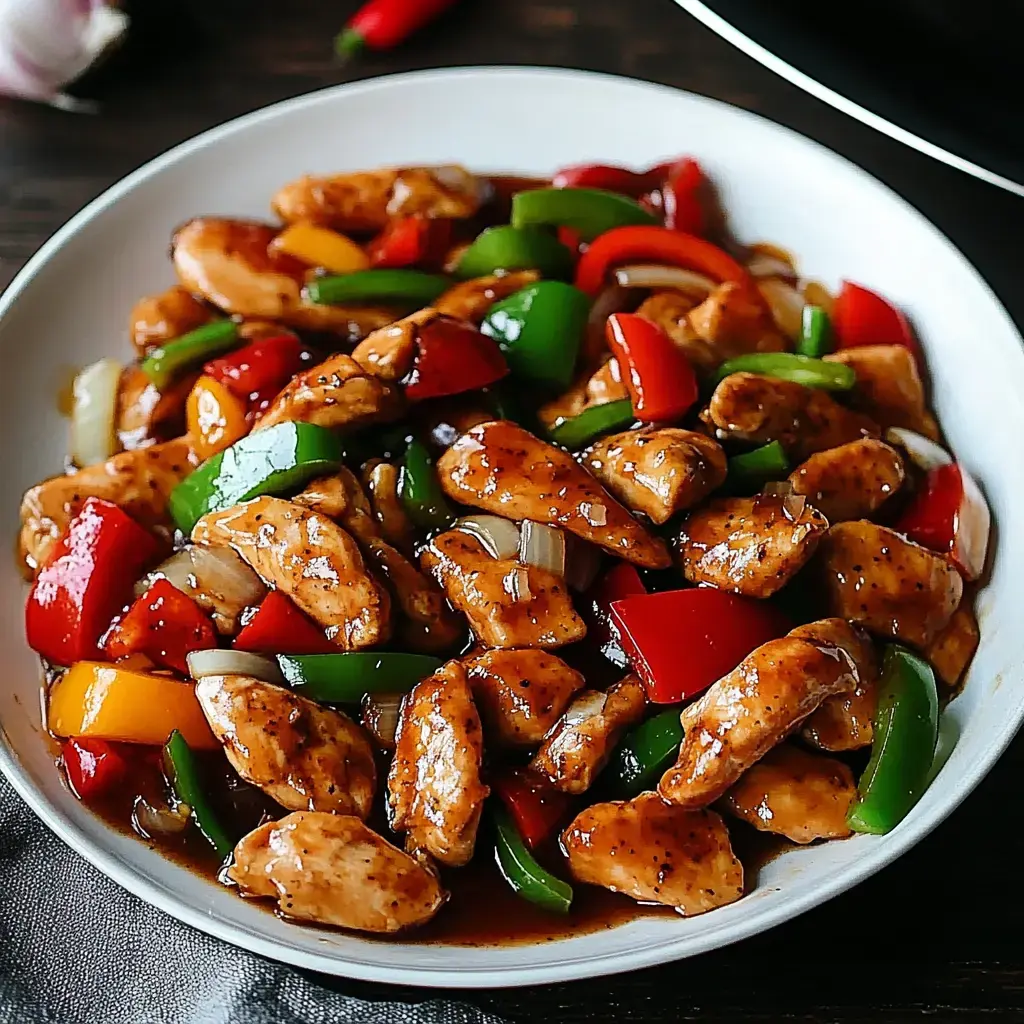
(786, 304)
(644, 275)
(543, 546)
(763, 264)
(157, 819)
(94, 413)
(922, 451)
(583, 562)
(380, 717)
(216, 662)
(499, 536)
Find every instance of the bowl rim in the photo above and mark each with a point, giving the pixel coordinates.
(162, 897)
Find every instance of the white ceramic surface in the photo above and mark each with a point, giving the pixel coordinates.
(69, 306)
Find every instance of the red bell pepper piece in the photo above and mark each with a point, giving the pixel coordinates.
(453, 357)
(862, 317)
(619, 582)
(87, 582)
(680, 197)
(661, 382)
(94, 767)
(950, 515)
(602, 176)
(411, 241)
(163, 624)
(278, 627)
(535, 805)
(262, 366)
(681, 641)
(652, 244)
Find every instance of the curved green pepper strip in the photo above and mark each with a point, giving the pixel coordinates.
(539, 330)
(522, 872)
(420, 490)
(509, 248)
(272, 461)
(815, 333)
(345, 678)
(184, 775)
(164, 363)
(643, 755)
(411, 288)
(812, 373)
(589, 211)
(592, 423)
(751, 470)
(906, 731)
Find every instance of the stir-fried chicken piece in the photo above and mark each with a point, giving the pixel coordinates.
(434, 788)
(311, 559)
(656, 853)
(163, 317)
(658, 472)
(305, 756)
(746, 713)
(952, 649)
(889, 386)
(508, 604)
(334, 393)
(757, 409)
(145, 414)
(792, 793)
(750, 546)
(139, 481)
(381, 480)
(230, 263)
(470, 300)
(578, 747)
(389, 352)
(851, 481)
(520, 694)
(597, 387)
(886, 583)
(331, 869)
(504, 469)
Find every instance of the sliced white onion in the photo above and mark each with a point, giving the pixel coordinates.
(153, 820)
(216, 662)
(94, 412)
(499, 536)
(583, 562)
(614, 299)
(786, 304)
(661, 276)
(380, 717)
(778, 488)
(543, 546)
(973, 526)
(763, 264)
(922, 451)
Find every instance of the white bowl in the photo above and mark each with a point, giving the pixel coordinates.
(70, 305)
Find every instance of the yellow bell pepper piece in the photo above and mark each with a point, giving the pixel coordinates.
(215, 417)
(321, 247)
(94, 698)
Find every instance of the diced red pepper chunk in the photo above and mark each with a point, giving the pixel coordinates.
(680, 197)
(862, 317)
(94, 768)
(602, 176)
(260, 368)
(535, 805)
(411, 241)
(279, 627)
(619, 582)
(453, 357)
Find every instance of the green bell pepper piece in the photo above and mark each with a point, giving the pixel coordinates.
(539, 330)
(420, 490)
(163, 364)
(411, 288)
(509, 248)
(906, 731)
(815, 333)
(272, 461)
(592, 423)
(643, 755)
(751, 470)
(521, 870)
(185, 776)
(346, 678)
(813, 373)
(590, 211)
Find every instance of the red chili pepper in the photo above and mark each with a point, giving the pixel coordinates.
(862, 317)
(681, 641)
(680, 197)
(94, 767)
(655, 245)
(412, 241)
(381, 24)
(278, 627)
(535, 805)
(659, 377)
(87, 582)
(619, 582)
(164, 624)
(453, 357)
(603, 176)
(950, 515)
(262, 366)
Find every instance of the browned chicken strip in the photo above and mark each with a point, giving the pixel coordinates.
(895, 588)
(520, 694)
(381, 480)
(597, 387)
(139, 481)
(750, 407)
(656, 853)
(389, 352)
(508, 604)
(504, 469)
(367, 200)
(580, 744)
(746, 713)
(434, 788)
(305, 756)
(470, 300)
(951, 651)
(792, 793)
(163, 317)
(732, 322)
(658, 472)
(331, 869)
(850, 482)
(311, 559)
(146, 415)
(751, 546)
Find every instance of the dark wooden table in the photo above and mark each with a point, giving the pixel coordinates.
(936, 935)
